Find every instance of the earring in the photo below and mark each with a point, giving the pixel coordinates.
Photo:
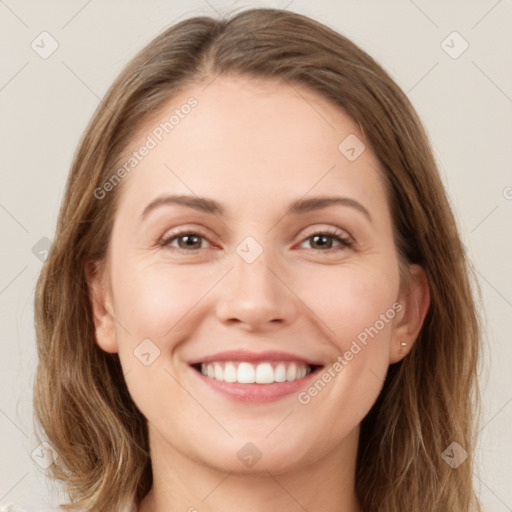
(403, 344)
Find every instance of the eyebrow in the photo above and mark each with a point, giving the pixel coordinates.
(297, 207)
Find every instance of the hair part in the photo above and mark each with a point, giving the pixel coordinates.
(429, 399)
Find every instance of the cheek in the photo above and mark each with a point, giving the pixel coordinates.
(350, 301)
(356, 305)
(155, 312)
(153, 301)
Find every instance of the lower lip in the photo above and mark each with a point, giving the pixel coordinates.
(257, 392)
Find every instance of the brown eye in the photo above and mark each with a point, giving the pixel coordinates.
(324, 241)
(186, 241)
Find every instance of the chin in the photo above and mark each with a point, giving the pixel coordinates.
(259, 456)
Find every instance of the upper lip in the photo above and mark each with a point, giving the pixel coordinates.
(255, 357)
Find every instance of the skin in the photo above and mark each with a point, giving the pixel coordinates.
(254, 146)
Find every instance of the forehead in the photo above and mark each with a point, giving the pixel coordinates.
(253, 141)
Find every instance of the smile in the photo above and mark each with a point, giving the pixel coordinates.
(249, 376)
(266, 372)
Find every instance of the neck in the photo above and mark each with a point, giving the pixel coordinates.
(181, 484)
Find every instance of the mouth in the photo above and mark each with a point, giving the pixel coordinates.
(255, 377)
(264, 372)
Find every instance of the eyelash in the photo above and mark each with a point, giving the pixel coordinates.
(345, 242)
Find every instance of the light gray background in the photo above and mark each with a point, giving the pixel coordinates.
(465, 104)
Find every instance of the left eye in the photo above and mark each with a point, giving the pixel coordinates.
(189, 241)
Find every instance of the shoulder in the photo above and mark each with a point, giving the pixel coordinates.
(11, 507)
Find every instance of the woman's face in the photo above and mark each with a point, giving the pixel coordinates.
(253, 289)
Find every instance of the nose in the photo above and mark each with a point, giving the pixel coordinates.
(257, 295)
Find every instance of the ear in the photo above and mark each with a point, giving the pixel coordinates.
(100, 300)
(415, 301)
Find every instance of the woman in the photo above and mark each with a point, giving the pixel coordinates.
(257, 295)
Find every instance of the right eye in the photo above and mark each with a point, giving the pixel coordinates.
(344, 241)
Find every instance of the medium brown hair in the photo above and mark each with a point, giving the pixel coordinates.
(429, 399)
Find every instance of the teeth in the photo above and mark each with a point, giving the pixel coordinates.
(230, 372)
(264, 373)
(248, 373)
(291, 373)
(280, 373)
(245, 374)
